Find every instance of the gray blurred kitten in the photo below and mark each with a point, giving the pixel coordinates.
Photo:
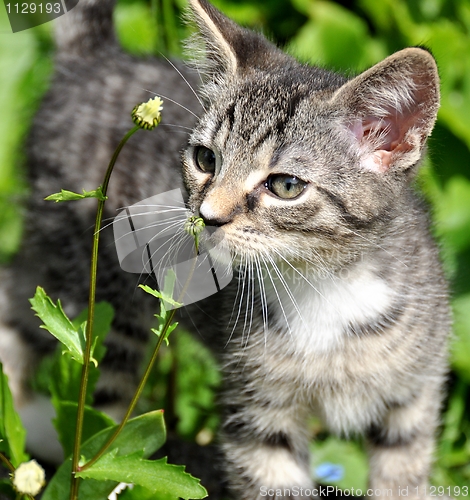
(340, 307)
(83, 117)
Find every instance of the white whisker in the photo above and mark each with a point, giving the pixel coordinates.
(284, 284)
(186, 81)
(174, 102)
(301, 275)
(380, 247)
(171, 125)
(249, 310)
(239, 300)
(278, 299)
(262, 293)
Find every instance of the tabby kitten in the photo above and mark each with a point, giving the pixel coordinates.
(340, 307)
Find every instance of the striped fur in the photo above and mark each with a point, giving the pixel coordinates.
(340, 307)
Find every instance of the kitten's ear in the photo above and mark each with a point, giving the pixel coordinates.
(392, 109)
(229, 48)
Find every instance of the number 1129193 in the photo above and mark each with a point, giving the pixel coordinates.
(34, 8)
(441, 491)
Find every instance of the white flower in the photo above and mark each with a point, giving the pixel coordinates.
(119, 489)
(148, 114)
(29, 478)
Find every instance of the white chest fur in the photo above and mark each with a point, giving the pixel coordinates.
(318, 312)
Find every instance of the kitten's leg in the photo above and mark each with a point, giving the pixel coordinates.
(401, 451)
(265, 442)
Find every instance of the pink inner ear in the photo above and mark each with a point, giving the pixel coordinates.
(378, 139)
(378, 161)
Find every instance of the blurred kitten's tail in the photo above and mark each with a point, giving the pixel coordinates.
(87, 29)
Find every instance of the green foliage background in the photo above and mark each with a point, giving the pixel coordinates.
(348, 36)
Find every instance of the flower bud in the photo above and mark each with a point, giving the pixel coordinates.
(29, 478)
(148, 114)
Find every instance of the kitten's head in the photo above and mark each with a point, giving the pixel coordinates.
(296, 161)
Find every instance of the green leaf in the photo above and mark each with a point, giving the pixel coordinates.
(169, 288)
(65, 423)
(329, 30)
(61, 376)
(104, 315)
(163, 479)
(56, 322)
(160, 295)
(452, 212)
(165, 299)
(12, 432)
(145, 433)
(64, 378)
(24, 70)
(195, 405)
(135, 25)
(461, 343)
(65, 195)
(450, 442)
(158, 331)
(7, 490)
(138, 493)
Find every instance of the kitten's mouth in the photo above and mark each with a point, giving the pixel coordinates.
(212, 236)
(241, 243)
(229, 247)
(241, 249)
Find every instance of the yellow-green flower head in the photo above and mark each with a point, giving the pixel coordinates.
(194, 226)
(148, 114)
(29, 478)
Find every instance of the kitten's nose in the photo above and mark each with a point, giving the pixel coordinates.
(211, 217)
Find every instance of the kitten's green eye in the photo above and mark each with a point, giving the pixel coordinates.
(286, 187)
(205, 159)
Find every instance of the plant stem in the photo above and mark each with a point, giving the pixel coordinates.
(146, 375)
(91, 314)
(7, 462)
(136, 396)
